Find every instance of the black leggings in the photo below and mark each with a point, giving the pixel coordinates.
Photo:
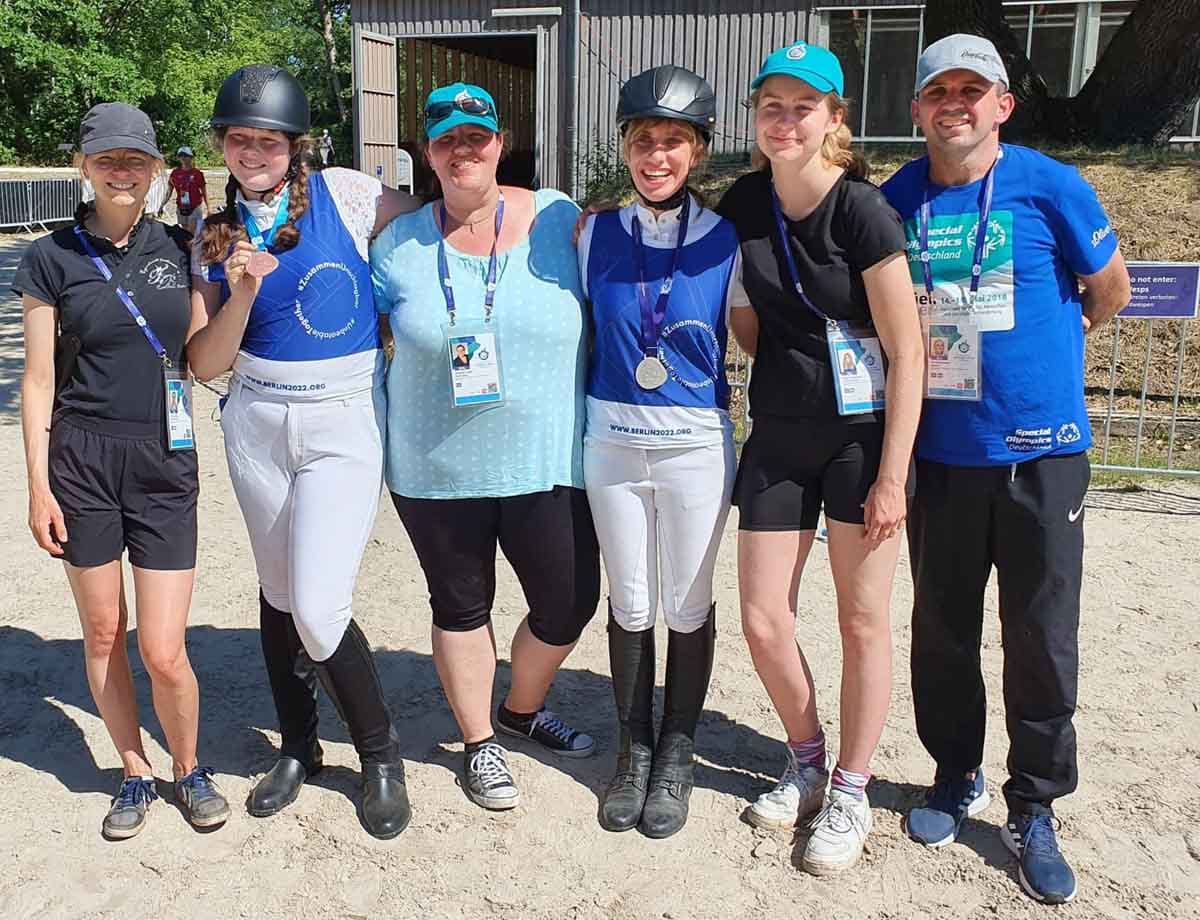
(548, 537)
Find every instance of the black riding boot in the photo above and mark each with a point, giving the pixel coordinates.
(631, 657)
(352, 682)
(689, 667)
(294, 689)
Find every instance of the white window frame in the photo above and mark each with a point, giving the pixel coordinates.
(1084, 45)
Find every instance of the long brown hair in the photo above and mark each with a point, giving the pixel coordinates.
(224, 228)
(836, 148)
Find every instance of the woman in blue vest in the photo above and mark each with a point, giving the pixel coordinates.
(283, 275)
(662, 275)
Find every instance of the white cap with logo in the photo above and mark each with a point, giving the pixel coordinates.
(961, 52)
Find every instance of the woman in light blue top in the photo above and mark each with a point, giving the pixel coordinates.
(485, 428)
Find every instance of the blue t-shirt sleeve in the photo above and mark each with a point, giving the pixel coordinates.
(381, 259)
(1081, 227)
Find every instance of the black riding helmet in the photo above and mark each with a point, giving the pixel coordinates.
(668, 92)
(262, 96)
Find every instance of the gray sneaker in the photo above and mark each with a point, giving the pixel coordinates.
(127, 815)
(489, 782)
(200, 799)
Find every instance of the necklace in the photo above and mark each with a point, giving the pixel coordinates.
(469, 224)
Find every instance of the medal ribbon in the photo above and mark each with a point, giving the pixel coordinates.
(985, 213)
(489, 299)
(655, 315)
(790, 258)
(256, 238)
(124, 295)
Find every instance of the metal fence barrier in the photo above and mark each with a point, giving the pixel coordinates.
(34, 203)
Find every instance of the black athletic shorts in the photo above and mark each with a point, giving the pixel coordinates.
(120, 488)
(791, 468)
(547, 537)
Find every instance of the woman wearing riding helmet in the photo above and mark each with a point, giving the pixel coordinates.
(111, 462)
(662, 275)
(284, 279)
(825, 271)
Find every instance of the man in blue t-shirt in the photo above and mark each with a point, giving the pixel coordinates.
(1000, 238)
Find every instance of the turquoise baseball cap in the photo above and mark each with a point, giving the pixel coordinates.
(459, 104)
(816, 66)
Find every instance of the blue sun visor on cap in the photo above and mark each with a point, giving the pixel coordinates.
(459, 104)
(816, 66)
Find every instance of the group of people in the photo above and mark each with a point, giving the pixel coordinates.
(557, 389)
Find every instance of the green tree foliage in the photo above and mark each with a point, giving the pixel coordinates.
(60, 57)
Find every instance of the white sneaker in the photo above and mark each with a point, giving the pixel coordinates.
(838, 834)
(799, 793)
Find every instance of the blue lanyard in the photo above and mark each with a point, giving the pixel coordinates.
(252, 230)
(985, 213)
(125, 298)
(789, 257)
(489, 298)
(653, 316)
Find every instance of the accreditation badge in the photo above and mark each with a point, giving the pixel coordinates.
(952, 361)
(473, 358)
(858, 377)
(177, 397)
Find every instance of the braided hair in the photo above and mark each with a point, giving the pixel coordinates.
(225, 228)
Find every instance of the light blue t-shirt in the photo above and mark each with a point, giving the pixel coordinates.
(533, 440)
(1046, 227)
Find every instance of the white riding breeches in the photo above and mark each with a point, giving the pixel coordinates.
(659, 516)
(307, 474)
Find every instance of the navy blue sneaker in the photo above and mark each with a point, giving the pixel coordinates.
(1044, 873)
(950, 802)
(127, 815)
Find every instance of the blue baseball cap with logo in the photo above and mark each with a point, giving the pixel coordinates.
(459, 104)
(816, 66)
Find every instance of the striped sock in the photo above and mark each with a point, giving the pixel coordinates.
(854, 784)
(810, 753)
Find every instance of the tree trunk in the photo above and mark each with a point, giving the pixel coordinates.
(1143, 85)
(335, 84)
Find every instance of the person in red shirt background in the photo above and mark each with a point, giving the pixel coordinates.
(190, 195)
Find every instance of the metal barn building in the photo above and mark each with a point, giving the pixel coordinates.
(556, 70)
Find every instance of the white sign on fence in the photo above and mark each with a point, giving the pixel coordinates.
(404, 170)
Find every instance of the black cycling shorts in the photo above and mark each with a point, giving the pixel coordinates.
(547, 537)
(120, 488)
(791, 468)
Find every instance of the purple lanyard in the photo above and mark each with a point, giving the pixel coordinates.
(789, 257)
(985, 213)
(489, 298)
(654, 315)
(125, 298)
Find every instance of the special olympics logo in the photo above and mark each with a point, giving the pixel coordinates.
(797, 52)
(1068, 434)
(996, 237)
(338, 292)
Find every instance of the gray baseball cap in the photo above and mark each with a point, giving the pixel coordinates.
(115, 126)
(961, 52)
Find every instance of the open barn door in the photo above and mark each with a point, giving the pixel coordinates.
(375, 114)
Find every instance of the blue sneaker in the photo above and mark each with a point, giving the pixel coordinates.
(1044, 873)
(127, 815)
(950, 802)
(200, 799)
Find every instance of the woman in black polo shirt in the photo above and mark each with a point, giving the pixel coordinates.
(111, 459)
(823, 265)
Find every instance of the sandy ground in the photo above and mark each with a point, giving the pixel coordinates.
(1130, 830)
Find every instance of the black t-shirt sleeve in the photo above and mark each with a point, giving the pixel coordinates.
(871, 227)
(37, 275)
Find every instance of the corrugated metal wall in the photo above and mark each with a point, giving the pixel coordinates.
(723, 40)
(431, 18)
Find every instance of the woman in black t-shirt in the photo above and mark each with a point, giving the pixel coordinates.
(824, 268)
(102, 475)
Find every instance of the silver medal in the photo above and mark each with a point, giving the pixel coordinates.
(651, 373)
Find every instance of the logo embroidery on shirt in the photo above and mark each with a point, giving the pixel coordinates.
(1068, 434)
(163, 275)
(1099, 235)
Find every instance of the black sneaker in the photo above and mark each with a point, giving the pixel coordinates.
(488, 781)
(200, 799)
(548, 730)
(127, 815)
